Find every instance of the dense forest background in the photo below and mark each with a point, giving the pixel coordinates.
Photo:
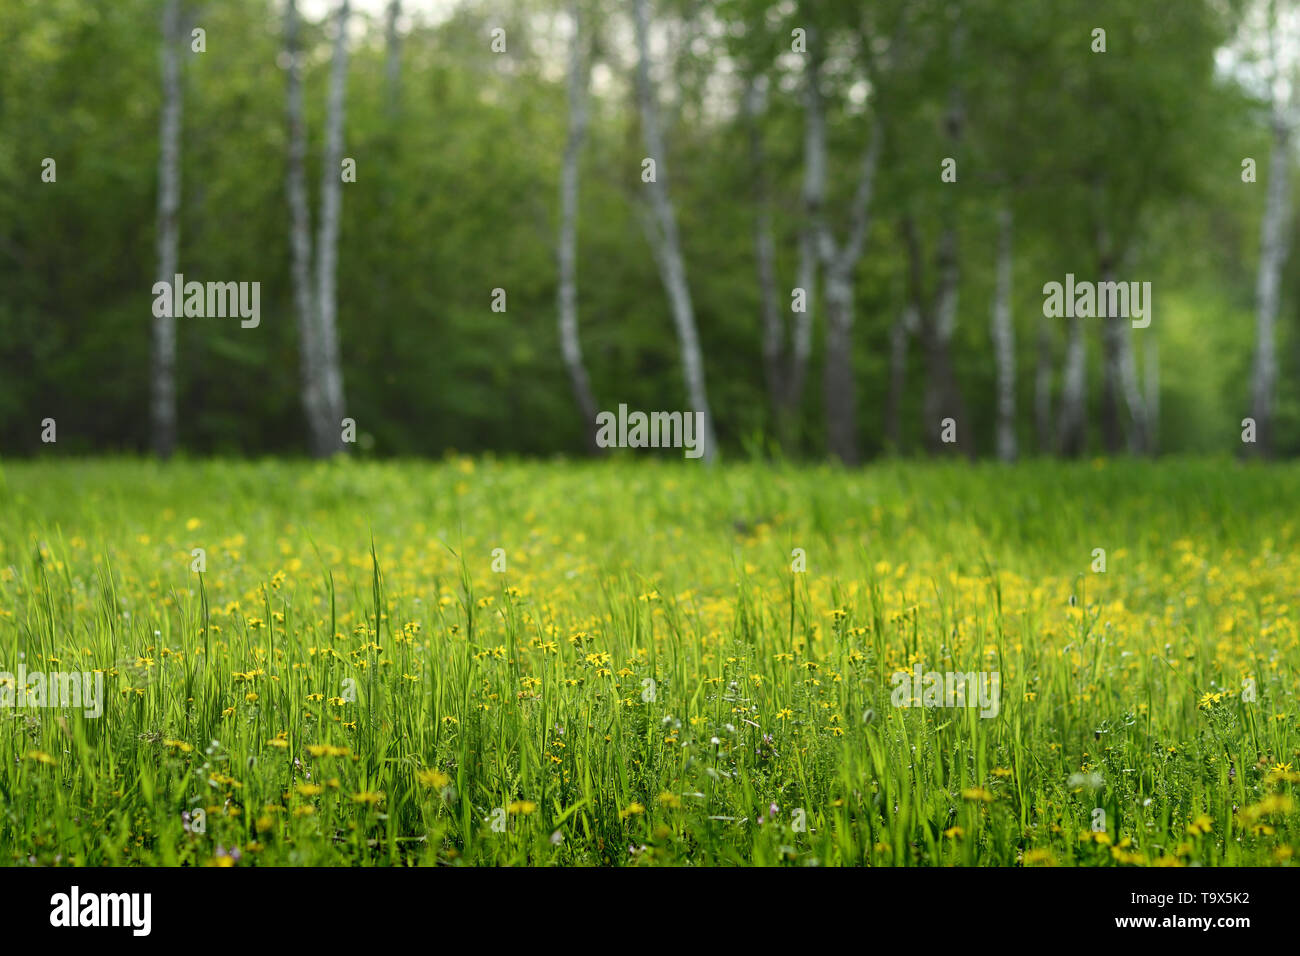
(1128, 163)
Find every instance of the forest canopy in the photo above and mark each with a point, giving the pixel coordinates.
(866, 203)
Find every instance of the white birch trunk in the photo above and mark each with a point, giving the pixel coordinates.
(327, 239)
(1119, 366)
(1043, 387)
(1120, 380)
(839, 383)
(567, 295)
(1134, 401)
(1274, 246)
(801, 333)
(162, 398)
(309, 348)
(665, 238)
(1074, 384)
(839, 262)
(814, 193)
(1004, 342)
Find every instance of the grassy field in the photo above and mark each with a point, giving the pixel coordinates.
(638, 676)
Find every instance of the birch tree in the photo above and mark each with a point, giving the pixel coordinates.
(813, 194)
(327, 239)
(1274, 243)
(1011, 73)
(838, 260)
(1111, 348)
(314, 293)
(1139, 438)
(1123, 407)
(1168, 99)
(664, 240)
(162, 399)
(304, 299)
(1004, 340)
(1272, 256)
(1071, 428)
(1044, 365)
(567, 294)
(1121, 390)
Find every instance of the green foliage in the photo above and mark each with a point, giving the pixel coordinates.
(457, 195)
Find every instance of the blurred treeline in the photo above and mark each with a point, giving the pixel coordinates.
(457, 194)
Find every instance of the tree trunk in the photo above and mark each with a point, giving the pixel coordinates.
(309, 348)
(1138, 439)
(1071, 433)
(1119, 367)
(162, 399)
(570, 345)
(1044, 442)
(665, 240)
(841, 391)
(801, 334)
(1120, 384)
(1004, 342)
(327, 239)
(1111, 432)
(1274, 246)
(814, 190)
(838, 264)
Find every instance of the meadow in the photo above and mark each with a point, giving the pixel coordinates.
(650, 662)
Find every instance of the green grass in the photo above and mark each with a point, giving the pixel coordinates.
(349, 682)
